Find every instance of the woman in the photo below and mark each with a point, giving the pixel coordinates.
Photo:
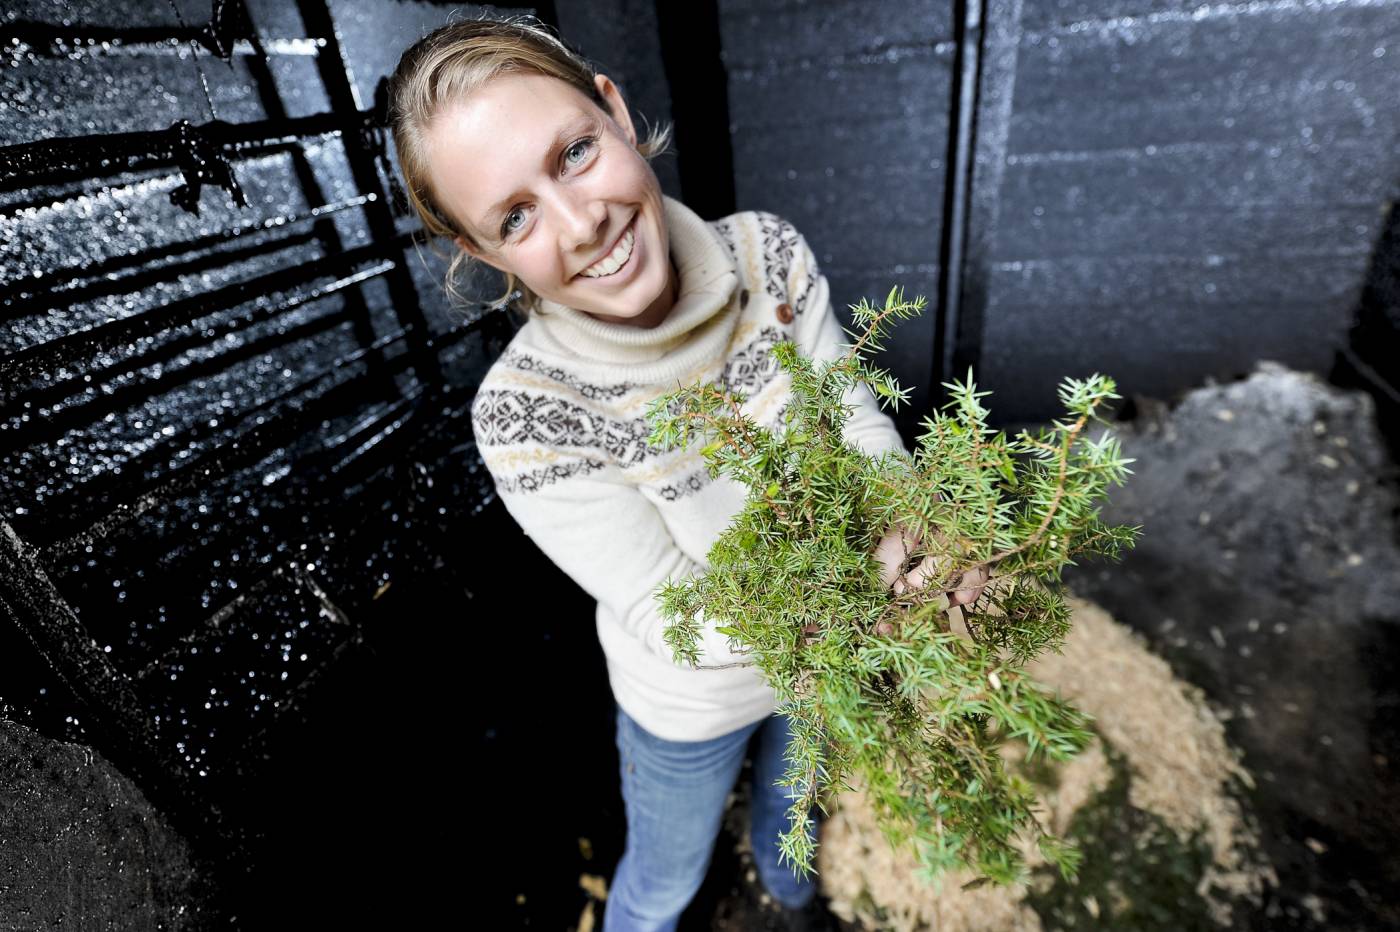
(516, 150)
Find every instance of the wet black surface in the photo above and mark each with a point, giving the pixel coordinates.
(443, 765)
(83, 848)
(435, 788)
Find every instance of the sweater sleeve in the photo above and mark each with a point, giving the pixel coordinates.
(603, 533)
(820, 337)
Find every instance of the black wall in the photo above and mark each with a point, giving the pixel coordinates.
(840, 121)
(1179, 190)
(1164, 192)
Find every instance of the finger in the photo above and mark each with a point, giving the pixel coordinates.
(964, 592)
(979, 582)
(890, 553)
(969, 585)
(898, 544)
(895, 547)
(963, 596)
(958, 624)
(921, 574)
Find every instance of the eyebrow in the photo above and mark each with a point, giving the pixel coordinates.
(566, 132)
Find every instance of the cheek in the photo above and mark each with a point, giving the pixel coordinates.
(541, 263)
(625, 169)
(532, 262)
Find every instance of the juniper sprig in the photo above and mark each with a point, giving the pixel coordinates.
(917, 698)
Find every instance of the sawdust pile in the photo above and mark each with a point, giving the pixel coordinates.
(1180, 765)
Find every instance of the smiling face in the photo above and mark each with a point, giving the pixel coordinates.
(554, 190)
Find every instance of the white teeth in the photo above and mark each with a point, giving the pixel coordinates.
(614, 260)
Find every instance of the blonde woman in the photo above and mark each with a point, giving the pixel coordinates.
(521, 154)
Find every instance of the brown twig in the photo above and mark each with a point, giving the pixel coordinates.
(1054, 502)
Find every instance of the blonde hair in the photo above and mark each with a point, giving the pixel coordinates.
(446, 66)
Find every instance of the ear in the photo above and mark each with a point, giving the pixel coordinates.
(609, 92)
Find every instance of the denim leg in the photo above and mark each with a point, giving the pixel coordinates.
(674, 794)
(769, 815)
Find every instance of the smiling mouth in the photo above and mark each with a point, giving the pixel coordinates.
(599, 268)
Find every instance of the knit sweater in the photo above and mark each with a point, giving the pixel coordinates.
(560, 422)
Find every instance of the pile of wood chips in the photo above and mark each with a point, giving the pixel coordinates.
(1181, 770)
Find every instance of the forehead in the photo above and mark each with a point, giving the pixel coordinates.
(494, 141)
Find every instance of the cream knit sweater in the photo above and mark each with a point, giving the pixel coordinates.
(560, 423)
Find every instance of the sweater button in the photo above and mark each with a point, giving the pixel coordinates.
(785, 313)
(743, 298)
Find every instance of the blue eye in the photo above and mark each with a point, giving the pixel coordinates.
(506, 225)
(587, 141)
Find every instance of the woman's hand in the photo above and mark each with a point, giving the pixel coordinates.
(893, 553)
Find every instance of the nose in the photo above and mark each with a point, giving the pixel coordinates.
(581, 220)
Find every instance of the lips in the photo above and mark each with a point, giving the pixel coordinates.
(609, 251)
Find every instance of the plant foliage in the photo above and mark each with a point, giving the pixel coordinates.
(916, 698)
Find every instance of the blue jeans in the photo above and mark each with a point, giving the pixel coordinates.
(674, 793)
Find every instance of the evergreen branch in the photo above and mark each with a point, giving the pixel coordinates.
(880, 684)
(1055, 502)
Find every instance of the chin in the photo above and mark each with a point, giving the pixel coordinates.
(646, 294)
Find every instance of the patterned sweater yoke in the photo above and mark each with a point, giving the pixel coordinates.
(560, 422)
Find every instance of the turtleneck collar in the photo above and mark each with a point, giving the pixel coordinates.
(698, 326)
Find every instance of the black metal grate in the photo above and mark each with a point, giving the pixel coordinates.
(223, 375)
